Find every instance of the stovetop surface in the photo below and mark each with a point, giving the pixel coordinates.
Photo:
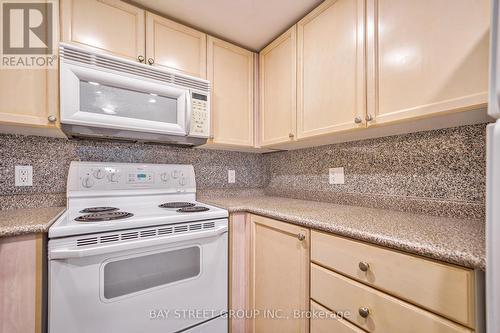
(147, 213)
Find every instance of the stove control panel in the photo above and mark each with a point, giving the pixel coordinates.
(95, 176)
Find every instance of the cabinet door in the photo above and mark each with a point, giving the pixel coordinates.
(29, 97)
(231, 74)
(22, 284)
(175, 46)
(426, 57)
(111, 26)
(330, 75)
(278, 87)
(279, 275)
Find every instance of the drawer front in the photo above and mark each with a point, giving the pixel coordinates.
(445, 289)
(325, 325)
(386, 313)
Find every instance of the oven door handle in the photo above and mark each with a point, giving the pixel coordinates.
(70, 253)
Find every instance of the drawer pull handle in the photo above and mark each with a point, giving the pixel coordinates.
(358, 120)
(364, 312)
(301, 237)
(364, 266)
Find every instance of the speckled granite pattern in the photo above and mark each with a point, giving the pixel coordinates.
(441, 172)
(36, 200)
(456, 241)
(17, 222)
(50, 158)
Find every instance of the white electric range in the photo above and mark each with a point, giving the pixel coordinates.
(135, 252)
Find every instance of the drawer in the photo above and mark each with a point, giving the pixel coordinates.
(444, 289)
(326, 325)
(387, 314)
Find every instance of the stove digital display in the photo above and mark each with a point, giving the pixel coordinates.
(140, 177)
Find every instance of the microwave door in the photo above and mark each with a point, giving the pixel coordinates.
(107, 99)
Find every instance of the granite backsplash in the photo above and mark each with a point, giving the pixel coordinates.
(50, 158)
(439, 172)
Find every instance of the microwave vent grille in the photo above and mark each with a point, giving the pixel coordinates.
(82, 56)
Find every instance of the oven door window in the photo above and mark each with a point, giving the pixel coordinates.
(141, 273)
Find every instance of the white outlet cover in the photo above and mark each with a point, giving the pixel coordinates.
(231, 176)
(24, 175)
(336, 175)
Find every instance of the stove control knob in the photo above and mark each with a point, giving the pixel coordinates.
(164, 177)
(182, 181)
(175, 174)
(87, 182)
(98, 173)
(113, 177)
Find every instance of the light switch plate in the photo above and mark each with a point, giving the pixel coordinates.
(336, 175)
(231, 176)
(24, 175)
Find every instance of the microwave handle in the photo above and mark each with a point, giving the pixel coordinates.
(71, 253)
(189, 112)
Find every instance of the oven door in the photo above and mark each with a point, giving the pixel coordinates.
(163, 284)
(113, 100)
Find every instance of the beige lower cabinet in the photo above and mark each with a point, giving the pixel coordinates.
(279, 277)
(21, 283)
(373, 310)
(422, 60)
(231, 74)
(325, 321)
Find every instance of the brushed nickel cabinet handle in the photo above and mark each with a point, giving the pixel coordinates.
(369, 117)
(52, 118)
(358, 120)
(364, 312)
(364, 266)
(301, 237)
(151, 61)
(141, 58)
(291, 135)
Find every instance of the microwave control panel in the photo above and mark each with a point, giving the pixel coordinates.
(200, 121)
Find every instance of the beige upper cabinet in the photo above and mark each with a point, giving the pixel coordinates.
(175, 46)
(426, 57)
(331, 67)
(231, 73)
(278, 87)
(29, 97)
(279, 258)
(112, 26)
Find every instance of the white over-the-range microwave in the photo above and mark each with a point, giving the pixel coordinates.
(104, 96)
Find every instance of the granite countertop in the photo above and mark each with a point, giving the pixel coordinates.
(15, 222)
(452, 240)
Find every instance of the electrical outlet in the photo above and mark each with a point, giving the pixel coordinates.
(336, 175)
(231, 176)
(24, 175)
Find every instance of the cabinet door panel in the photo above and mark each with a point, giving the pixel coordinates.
(231, 74)
(278, 89)
(279, 274)
(28, 97)
(111, 26)
(331, 68)
(426, 57)
(176, 46)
